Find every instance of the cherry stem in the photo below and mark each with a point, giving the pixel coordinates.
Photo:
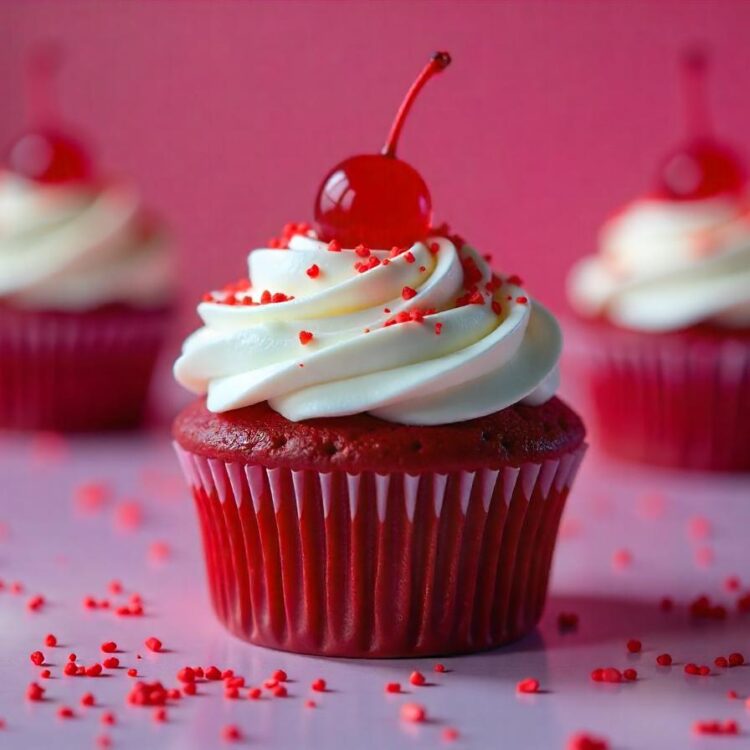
(694, 66)
(41, 67)
(439, 62)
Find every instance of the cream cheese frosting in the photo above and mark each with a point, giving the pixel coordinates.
(421, 336)
(666, 265)
(79, 247)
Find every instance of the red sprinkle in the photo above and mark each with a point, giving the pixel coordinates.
(583, 741)
(108, 718)
(407, 292)
(280, 691)
(115, 587)
(630, 675)
(310, 704)
(393, 687)
(109, 647)
(439, 668)
(35, 692)
(622, 558)
(732, 583)
(314, 271)
(70, 669)
(449, 734)
(231, 733)
(417, 678)
(529, 685)
(50, 641)
(279, 675)
(153, 644)
(65, 712)
(132, 672)
(213, 673)
(522, 300)
(319, 685)
(160, 715)
(736, 659)
(305, 337)
(438, 328)
(634, 646)
(664, 660)
(111, 662)
(254, 693)
(45, 674)
(413, 712)
(87, 699)
(721, 662)
(37, 657)
(35, 603)
(190, 688)
(94, 670)
(334, 246)
(187, 674)
(716, 727)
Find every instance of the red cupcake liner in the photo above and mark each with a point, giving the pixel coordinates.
(371, 565)
(78, 370)
(677, 400)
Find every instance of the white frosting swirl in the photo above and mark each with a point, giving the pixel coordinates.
(79, 247)
(483, 359)
(666, 265)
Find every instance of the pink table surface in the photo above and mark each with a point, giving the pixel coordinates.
(55, 550)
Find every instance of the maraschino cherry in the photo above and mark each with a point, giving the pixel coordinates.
(45, 153)
(376, 199)
(703, 167)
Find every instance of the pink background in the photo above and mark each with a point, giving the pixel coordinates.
(229, 113)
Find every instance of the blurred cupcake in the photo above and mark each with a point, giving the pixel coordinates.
(84, 290)
(666, 307)
(380, 463)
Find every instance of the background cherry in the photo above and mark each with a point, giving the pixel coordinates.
(376, 199)
(46, 153)
(703, 167)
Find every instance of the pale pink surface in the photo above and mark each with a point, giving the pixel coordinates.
(230, 113)
(683, 535)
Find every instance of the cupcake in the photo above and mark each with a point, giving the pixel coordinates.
(84, 289)
(377, 457)
(664, 313)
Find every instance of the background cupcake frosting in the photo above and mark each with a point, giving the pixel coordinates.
(80, 246)
(665, 265)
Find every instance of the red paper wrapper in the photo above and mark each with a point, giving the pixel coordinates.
(77, 370)
(676, 399)
(370, 565)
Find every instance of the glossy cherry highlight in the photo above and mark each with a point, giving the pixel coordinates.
(45, 153)
(702, 167)
(377, 199)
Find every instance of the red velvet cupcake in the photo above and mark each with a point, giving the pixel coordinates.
(664, 332)
(379, 464)
(85, 289)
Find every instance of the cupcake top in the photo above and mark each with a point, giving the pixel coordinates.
(424, 334)
(78, 245)
(373, 312)
(666, 264)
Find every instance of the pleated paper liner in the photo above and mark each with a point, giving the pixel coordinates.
(77, 371)
(370, 565)
(677, 401)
